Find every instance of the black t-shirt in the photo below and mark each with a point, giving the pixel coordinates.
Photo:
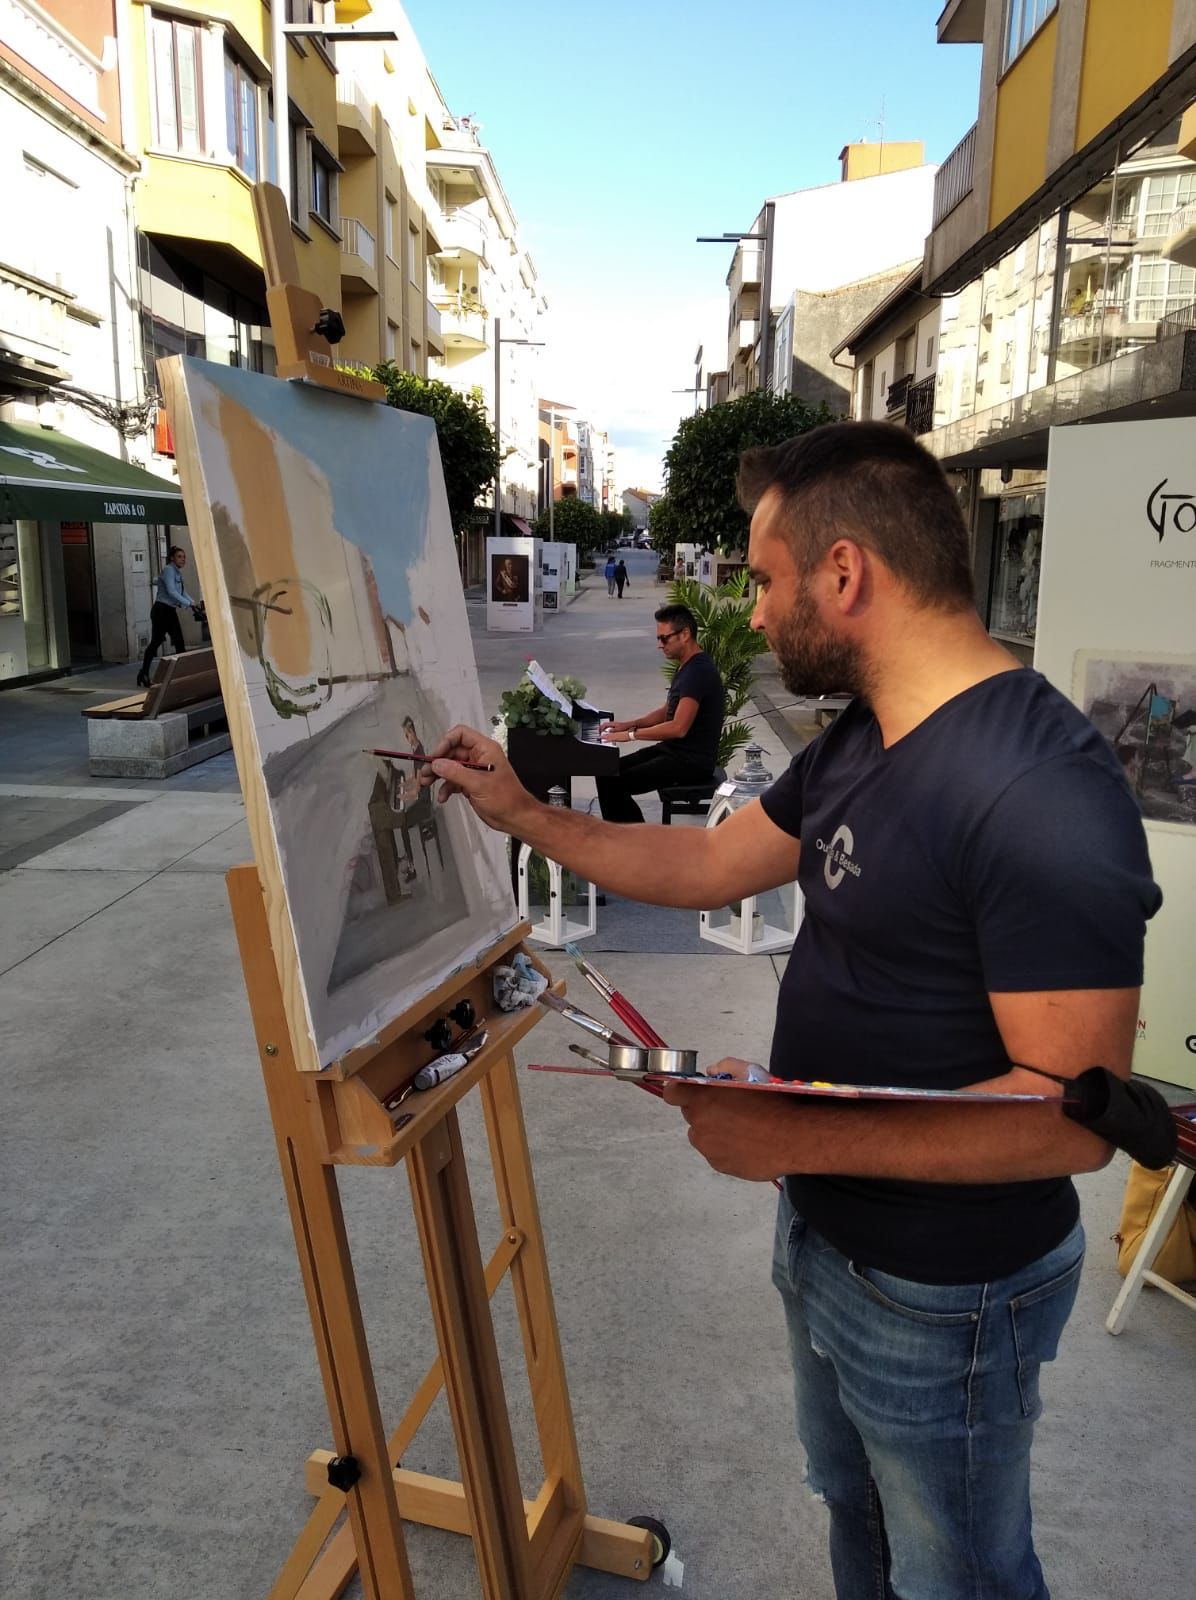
(698, 680)
(995, 848)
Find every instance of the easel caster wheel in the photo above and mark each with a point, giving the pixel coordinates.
(662, 1541)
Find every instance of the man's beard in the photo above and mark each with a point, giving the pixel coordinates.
(811, 659)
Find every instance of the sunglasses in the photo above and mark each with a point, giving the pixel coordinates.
(663, 638)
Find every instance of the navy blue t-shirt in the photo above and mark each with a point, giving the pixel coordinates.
(996, 847)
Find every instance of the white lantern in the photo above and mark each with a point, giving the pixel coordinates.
(758, 924)
(556, 928)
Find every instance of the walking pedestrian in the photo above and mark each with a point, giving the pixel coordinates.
(169, 599)
(621, 579)
(608, 572)
(977, 887)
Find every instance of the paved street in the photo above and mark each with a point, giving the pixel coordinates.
(161, 1391)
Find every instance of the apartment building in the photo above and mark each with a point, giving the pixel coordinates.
(594, 466)
(894, 357)
(76, 541)
(1062, 255)
(484, 278)
(638, 503)
(558, 453)
(824, 241)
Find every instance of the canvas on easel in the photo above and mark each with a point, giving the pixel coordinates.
(322, 535)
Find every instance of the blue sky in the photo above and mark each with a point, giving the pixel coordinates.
(623, 130)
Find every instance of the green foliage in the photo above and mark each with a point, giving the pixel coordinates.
(723, 616)
(525, 707)
(467, 447)
(704, 456)
(617, 525)
(574, 521)
(665, 527)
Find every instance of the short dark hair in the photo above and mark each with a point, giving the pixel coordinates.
(175, 550)
(679, 617)
(871, 482)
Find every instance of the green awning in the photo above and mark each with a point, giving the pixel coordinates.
(46, 476)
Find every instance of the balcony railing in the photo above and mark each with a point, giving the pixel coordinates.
(350, 93)
(357, 240)
(895, 398)
(953, 180)
(919, 405)
(1182, 320)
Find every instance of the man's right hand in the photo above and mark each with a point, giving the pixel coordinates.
(497, 797)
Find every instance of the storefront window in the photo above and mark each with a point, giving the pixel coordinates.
(1013, 597)
(24, 635)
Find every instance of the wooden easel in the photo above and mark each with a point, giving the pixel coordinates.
(525, 1550)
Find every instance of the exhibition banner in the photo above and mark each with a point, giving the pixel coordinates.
(1116, 632)
(511, 585)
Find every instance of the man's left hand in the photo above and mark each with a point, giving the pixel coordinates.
(744, 1135)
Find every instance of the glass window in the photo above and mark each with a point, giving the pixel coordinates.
(1017, 555)
(1024, 19)
(178, 89)
(240, 111)
(323, 187)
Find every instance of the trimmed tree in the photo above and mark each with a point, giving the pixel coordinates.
(574, 521)
(468, 452)
(665, 527)
(704, 456)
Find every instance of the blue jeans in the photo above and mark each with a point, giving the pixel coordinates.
(916, 1406)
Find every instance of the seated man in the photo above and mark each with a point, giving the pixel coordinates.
(682, 735)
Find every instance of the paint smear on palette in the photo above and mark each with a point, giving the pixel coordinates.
(326, 528)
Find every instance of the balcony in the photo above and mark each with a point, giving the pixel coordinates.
(464, 231)
(743, 337)
(962, 22)
(434, 334)
(463, 321)
(354, 118)
(1182, 320)
(953, 180)
(747, 270)
(919, 405)
(1180, 243)
(359, 258)
(895, 397)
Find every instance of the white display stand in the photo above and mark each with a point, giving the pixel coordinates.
(1116, 630)
(690, 555)
(512, 584)
(569, 581)
(743, 927)
(552, 567)
(557, 929)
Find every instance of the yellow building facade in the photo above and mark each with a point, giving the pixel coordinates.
(1064, 86)
(204, 122)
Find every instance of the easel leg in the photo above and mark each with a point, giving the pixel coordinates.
(1160, 1226)
(469, 1358)
(323, 1248)
(520, 1213)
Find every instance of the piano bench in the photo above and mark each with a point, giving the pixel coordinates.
(693, 799)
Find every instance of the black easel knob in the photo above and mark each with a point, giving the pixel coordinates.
(330, 325)
(464, 1014)
(344, 1472)
(440, 1035)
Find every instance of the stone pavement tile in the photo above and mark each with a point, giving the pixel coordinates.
(231, 848)
(30, 826)
(36, 909)
(151, 837)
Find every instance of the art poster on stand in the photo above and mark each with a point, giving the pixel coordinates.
(1116, 631)
(552, 574)
(511, 584)
(321, 532)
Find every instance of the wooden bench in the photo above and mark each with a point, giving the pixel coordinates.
(175, 723)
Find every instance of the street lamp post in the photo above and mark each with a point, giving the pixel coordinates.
(765, 237)
(499, 341)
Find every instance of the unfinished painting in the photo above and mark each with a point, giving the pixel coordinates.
(1146, 707)
(324, 547)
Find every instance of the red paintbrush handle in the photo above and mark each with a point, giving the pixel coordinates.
(630, 1017)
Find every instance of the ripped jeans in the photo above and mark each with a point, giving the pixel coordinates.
(916, 1406)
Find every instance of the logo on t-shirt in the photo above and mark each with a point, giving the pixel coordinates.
(838, 856)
